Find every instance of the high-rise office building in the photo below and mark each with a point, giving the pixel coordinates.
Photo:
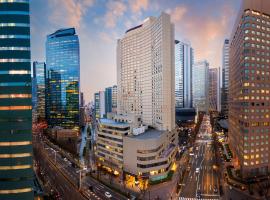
(82, 101)
(16, 173)
(63, 79)
(39, 85)
(114, 99)
(184, 60)
(99, 104)
(143, 142)
(108, 100)
(225, 77)
(213, 89)
(145, 72)
(200, 85)
(249, 93)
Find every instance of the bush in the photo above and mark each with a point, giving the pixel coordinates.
(168, 178)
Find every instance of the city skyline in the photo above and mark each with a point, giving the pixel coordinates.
(100, 24)
(178, 92)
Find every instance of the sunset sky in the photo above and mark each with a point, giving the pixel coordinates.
(99, 23)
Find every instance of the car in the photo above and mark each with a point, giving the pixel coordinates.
(90, 187)
(197, 170)
(65, 159)
(215, 189)
(108, 195)
(198, 194)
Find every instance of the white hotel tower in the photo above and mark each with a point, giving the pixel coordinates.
(145, 72)
(141, 140)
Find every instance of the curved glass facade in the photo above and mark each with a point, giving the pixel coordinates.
(62, 79)
(16, 173)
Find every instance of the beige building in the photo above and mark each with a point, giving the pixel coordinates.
(140, 141)
(249, 88)
(145, 72)
(126, 146)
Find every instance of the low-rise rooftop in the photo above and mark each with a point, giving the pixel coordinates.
(111, 122)
(148, 134)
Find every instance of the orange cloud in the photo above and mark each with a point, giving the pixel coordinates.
(177, 13)
(115, 9)
(205, 33)
(137, 5)
(69, 12)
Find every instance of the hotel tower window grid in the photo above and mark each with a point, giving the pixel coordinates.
(249, 90)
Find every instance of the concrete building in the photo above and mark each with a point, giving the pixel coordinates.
(145, 72)
(213, 89)
(225, 77)
(114, 99)
(140, 141)
(200, 85)
(99, 104)
(184, 60)
(126, 146)
(249, 92)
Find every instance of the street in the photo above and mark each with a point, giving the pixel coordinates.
(68, 176)
(202, 180)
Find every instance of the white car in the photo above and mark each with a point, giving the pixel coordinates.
(197, 170)
(108, 195)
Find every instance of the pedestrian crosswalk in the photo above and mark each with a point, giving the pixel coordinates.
(193, 198)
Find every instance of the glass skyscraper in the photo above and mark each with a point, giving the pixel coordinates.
(16, 173)
(63, 79)
(108, 100)
(39, 89)
(200, 86)
(184, 59)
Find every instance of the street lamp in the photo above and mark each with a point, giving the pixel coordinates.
(80, 178)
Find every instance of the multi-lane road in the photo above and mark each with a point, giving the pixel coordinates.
(201, 182)
(62, 175)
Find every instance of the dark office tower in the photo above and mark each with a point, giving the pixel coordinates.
(39, 89)
(225, 77)
(16, 173)
(249, 88)
(108, 100)
(63, 79)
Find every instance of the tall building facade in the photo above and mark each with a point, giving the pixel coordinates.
(63, 79)
(39, 69)
(213, 89)
(114, 99)
(184, 60)
(200, 86)
(99, 104)
(16, 173)
(140, 140)
(249, 94)
(108, 100)
(225, 77)
(145, 72)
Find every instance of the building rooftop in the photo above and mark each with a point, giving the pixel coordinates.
(62, 32)
(148, 134)
(111, 122)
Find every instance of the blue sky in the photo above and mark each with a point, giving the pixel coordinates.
(99, 23)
